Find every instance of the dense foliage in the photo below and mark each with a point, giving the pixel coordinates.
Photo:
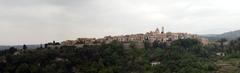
(181, 56)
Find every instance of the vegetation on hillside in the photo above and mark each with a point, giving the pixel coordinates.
(181, 56)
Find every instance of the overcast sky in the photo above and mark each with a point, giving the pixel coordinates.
(40, 21)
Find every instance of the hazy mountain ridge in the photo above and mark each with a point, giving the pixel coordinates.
(228, 35)
(2, 47)
(231, 34)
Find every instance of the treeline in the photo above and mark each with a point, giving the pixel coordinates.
(231, 48)
(181, 56)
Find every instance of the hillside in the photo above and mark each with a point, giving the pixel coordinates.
(228, 35)
(231, 34)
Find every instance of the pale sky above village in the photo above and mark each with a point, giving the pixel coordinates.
(41, 21)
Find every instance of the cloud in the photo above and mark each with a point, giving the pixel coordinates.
(39, 21)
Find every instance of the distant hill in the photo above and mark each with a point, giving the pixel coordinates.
(231, 35)
(3, 47)
(228, 35)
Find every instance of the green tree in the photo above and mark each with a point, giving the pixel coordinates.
(186, 43)
(147, 44)
(23, 68)
(159, 44)
(24, 47)
(222, 41)
(132, 44)
(12, 50)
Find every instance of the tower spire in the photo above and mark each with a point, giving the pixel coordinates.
(157, 30)
(162, 29)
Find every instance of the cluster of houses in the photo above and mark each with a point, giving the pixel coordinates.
(138, 39)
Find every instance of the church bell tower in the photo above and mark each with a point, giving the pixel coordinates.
(162, 30)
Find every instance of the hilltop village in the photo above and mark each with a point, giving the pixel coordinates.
(152, 52)
(127, 40)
